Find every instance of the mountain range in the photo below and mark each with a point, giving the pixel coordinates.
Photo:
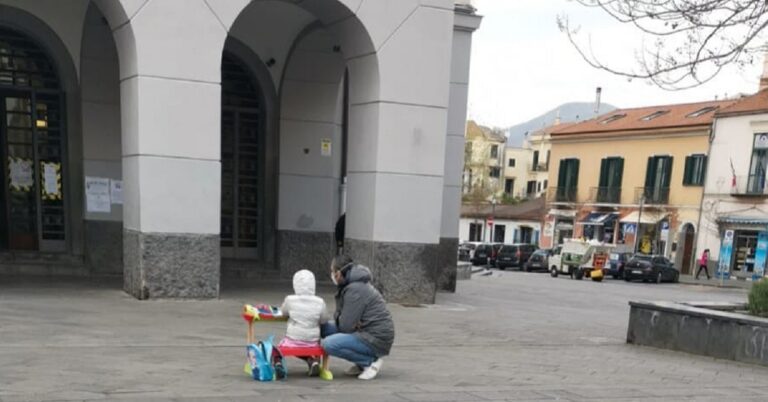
(569, 112)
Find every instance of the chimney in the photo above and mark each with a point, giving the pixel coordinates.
(764, 77)
(557, 118)
(598, 91)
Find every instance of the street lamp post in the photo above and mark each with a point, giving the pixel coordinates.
(639, 219)
(493, 219)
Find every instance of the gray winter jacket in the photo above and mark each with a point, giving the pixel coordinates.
(361, 310)
(305, 311)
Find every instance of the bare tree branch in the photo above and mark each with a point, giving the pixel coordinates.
(694, 39)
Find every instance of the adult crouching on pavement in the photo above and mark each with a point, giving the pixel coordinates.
(362, 331)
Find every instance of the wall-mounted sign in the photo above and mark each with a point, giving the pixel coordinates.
(726, 252)
(97, 197)
(761, 254)
(325, 147)
(20, 172)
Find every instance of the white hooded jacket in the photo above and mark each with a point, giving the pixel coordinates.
(305, 310)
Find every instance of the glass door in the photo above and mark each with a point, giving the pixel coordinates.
(32, 151)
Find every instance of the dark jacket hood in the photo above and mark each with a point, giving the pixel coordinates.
(357, 273)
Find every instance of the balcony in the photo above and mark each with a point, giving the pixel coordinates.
(750, 186)
(605, 195)
(561, 194)
(652, 195)
(539, 167)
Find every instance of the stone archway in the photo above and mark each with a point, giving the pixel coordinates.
(686, 242)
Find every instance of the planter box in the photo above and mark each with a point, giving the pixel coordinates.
(708, 329)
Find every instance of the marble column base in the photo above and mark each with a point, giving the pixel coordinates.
(170, 265)
(403, 272)
(297, 250)
(447, 260)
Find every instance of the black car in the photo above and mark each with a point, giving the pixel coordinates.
(539, 261)
(616, 263)
(655, 268)
(485, 254)
(514, 255)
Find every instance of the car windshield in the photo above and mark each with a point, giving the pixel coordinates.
(646, 258)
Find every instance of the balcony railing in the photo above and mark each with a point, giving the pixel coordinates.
(605, 195)
(540, 167)
(752, 185)
(653, 195)
(562, 194)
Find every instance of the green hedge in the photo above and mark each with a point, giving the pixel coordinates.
(758, 298)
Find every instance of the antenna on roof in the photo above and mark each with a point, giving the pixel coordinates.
(598, 92)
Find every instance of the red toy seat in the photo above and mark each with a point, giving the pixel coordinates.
(313, 351)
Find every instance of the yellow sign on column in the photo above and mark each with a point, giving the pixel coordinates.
(51, 174)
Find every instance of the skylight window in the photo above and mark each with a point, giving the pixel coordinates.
(655, 115)
(702, 111)
(613, 118)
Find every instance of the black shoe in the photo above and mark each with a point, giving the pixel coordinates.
(280, 372)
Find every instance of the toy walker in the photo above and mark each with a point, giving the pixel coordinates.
(262, 312)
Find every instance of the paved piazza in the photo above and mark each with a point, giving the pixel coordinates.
(508, 336)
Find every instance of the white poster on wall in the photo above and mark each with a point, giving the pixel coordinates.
(116, 191)
(325, 147)
(97, 195)
(50, 179)
(21, 173)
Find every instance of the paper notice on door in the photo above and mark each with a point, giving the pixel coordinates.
(97, 195)
(21, 176)
(51, 183)
(116, 191)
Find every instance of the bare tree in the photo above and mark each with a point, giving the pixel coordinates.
(693, 40)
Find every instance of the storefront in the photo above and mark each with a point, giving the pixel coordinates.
(652, 236)
(559, 226)
(745, 250)
(600, 226)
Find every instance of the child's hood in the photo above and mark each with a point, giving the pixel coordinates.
(304, 283)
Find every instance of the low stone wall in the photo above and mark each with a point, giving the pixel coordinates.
(709, 329)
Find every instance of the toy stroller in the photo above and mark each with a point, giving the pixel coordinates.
(261, 312)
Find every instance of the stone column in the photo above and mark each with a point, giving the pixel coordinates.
(397, 135)
(170, 107)
(464, 24)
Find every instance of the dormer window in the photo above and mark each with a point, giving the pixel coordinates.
(613, 118)
(655, 115)
(702, 111)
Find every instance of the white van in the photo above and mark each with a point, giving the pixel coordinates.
(576, 257)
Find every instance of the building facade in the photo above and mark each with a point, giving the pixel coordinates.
(508, 224)
(483, 162)
(735, 205)
(174, 141)
(632, 176)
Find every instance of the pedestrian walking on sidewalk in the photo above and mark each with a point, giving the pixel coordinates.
(703, 261)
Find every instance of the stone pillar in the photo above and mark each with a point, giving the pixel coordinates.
(464, 24)
(397, 135)
(170, 107)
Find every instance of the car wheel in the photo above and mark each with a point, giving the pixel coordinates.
(579, 274)
(658, 277)
(627, 278)
(502, 267)
(615, 276)
(526, 269)
(553, 272)
(676, 279)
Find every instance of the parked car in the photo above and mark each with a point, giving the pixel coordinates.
(467, 250)
(485, 253)
(539, 261)
(616, 262)
(514, 255)
(656, 268)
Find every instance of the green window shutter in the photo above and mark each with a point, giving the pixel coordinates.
(619, 173)
(703, 176)
(575, 175)
(650, 172)
(604, 172)
(561, 173)
(689, 168)
(667, 169)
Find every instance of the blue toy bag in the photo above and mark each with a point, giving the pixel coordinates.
(265, 363)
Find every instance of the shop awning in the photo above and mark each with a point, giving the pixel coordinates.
(598, 218)
(562, 212)
(741, 220)
(648, 217)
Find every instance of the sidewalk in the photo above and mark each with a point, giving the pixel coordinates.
(728, 283)
(506, 337)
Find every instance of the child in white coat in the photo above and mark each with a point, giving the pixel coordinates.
(306, 312)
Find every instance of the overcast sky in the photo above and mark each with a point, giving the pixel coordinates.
(523, 66)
